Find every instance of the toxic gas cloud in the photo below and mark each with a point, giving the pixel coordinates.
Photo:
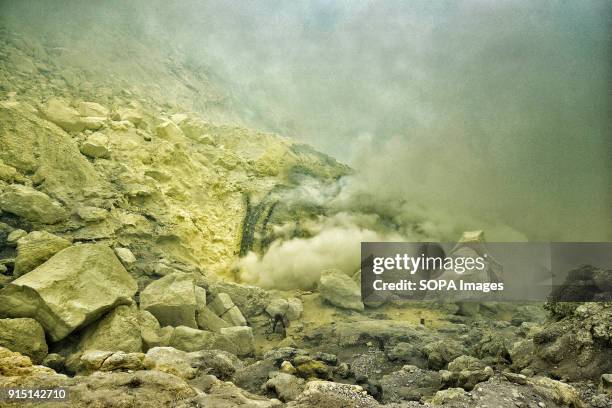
(479, 112)
(454, 116)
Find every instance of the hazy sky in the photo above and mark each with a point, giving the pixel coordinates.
(478, 109)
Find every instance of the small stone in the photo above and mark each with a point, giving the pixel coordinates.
(15, 236)
(96, 146)
(123, 361)
(287, 367)
(605, 384)
(327, 358)
(314, 369)
(92, 109)
(130, 115)
(343, 370)
(54, 361)
(126, 256)
(444, 396)
(92, 214)
(170, 131)
(515, 378)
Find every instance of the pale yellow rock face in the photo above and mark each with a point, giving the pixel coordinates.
(73, 288)
(34, 146)
(174, 189)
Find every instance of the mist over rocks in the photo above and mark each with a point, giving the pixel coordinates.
(162, 245)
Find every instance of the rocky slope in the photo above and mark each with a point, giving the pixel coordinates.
(122, 218)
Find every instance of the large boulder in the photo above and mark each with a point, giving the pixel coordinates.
(409, 384)
(189, 365)
(251, 300)
(241, 337)
(252, 377)
(219, 363)
(291, 309)
(332, 394)
(35, 248)
(31, 204)
(286, 386)
(340, 290)
(171, 361)
(189, 339)
(465, 372)
(25, 336)
(171, 300)
(440, 353)
(119, 330)
(72, 289)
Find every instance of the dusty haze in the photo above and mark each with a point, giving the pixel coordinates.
(455, 115)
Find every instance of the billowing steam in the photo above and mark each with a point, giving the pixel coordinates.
(462, 115)
(298, 262)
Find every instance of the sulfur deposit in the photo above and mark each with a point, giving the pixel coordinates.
(158, 250)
